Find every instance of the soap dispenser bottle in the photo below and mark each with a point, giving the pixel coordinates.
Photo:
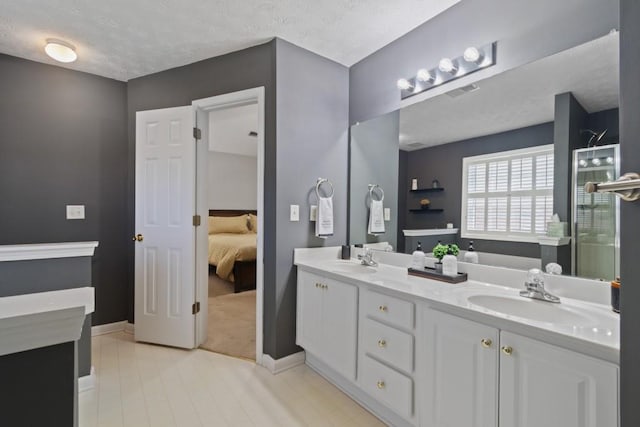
(471, 256)
(417, 258)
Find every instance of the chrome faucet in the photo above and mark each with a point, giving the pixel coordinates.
(535, 287)
(367, 258)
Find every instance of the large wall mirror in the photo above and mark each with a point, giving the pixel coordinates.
(492, 162)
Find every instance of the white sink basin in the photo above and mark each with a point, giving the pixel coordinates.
(527, 308)
(351, 267)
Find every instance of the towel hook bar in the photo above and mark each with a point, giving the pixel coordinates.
(372, 189)
(627, 187)
(321, 181)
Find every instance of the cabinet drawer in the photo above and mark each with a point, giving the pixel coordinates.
(387, 308)
(387, 386)
(388, 344)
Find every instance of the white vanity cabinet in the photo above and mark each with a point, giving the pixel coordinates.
(545, 385)
(472, 369)
(327, 321)
(460, 385)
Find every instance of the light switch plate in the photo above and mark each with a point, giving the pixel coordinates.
(294, 213)
(387, 214)
(75, 211)
(313, 213)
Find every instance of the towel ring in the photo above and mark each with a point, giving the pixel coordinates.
(321, 181)
(372, 190)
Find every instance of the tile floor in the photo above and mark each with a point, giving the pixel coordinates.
(147, 385)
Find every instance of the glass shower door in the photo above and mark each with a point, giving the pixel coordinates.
(596, 216)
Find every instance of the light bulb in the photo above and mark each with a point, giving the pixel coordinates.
(60, 50)
(424, 75)
(471, 54)
(446, 65)
(403, 84)
(610, 160)
(583, 163)
(595, 162)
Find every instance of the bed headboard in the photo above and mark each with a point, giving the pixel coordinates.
(231, 212)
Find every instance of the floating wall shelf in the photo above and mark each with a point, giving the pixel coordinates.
(426, 210)
(428, 190)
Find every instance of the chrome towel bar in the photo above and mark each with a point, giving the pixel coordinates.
(627, 187)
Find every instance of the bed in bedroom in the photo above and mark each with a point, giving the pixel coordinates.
(232, 247)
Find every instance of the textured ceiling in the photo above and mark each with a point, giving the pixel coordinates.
(517, 98)
(123, 39)
(229, 130)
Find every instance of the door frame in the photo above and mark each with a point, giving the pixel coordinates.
(243, 97)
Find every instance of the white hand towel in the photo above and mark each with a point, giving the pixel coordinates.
(324, 217)
(376, 218)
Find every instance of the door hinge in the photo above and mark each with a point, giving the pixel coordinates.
(196, 220)
(195, 307)
(197, 133)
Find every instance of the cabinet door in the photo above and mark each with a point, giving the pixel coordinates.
(340, 313)
(544, 385)
(309, 331)
(461, 384)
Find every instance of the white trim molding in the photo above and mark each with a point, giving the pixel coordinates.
(109, 328)
(46, 250)
(87, 382)
(275, 366)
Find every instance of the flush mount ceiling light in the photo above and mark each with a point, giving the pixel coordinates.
(404, 84)
(60, 50)
(425, 75)
(446, 65)
(473, 55)
(473, 59)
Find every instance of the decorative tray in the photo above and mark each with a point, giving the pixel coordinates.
(430, 273)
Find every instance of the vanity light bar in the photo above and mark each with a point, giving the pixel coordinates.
(449, 69)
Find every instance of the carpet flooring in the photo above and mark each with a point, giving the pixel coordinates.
(232, 320)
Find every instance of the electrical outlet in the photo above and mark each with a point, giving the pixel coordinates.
(294, 213)
(387, 214)
(313, 213)
(75, 211)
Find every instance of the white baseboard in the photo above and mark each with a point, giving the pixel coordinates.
(112, 327)
(88, 381)
(275, 366)
(129, 328)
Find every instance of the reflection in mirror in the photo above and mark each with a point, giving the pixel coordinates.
(492, 162)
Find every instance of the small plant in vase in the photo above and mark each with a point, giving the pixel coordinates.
(440, 251)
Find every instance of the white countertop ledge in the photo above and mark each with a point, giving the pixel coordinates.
(430, 232)
(46, 250)
(600, 340)
(43, 319)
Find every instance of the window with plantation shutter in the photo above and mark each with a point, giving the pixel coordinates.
(508, 195)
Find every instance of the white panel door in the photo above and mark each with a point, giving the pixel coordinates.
(545, 385)
(165, 205)
(461, 383)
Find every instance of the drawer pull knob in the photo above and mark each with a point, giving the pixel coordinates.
(383, 308)
(486, 342)
(382, 343)
(507, 350)
(381, 385)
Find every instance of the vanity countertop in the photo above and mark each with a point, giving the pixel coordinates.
(42, 319)
(583, 326)
(430, 232)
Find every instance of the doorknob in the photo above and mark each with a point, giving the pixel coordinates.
(507, 350)
(486, 342)
(138, 237)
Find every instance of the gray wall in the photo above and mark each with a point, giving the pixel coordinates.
(629, 214)
(525, 31)
(312, 129)
(374, 160)
(248, 68)
(63, 141)
(444, 163)
(233, 181)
